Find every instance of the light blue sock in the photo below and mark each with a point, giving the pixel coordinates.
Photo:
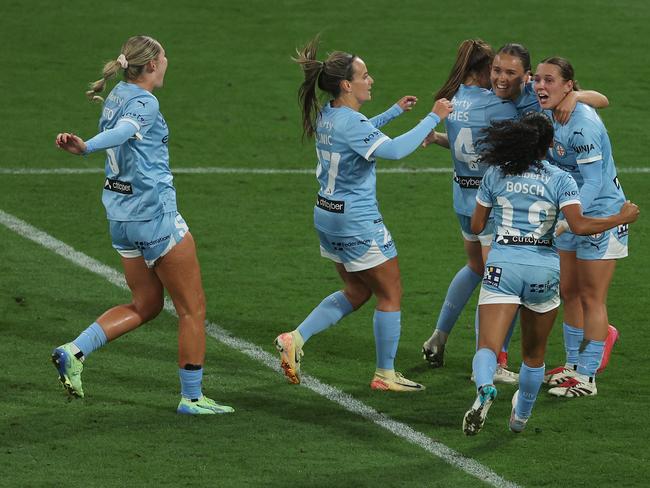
(530, 380)
(572, 340)
(90, 339)
(484, 365)
(387, 330)
(459, 291)
(506, 342)
(191, 382)
(591, 352)
(476, 327)
(326, 314)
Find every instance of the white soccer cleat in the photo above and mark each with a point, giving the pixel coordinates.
(394, 381)
(516, 424)
(578, 386)
(504, 376)
(559, 375)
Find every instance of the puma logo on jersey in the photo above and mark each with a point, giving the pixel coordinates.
(579, 133)
(144, 104)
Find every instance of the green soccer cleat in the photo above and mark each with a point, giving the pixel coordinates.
(69, 368)
(202, 406)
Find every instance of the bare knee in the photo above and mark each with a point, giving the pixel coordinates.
(148, 307)
(357, 295)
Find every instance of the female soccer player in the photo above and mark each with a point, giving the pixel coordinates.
(346, 216)
(475, 107)
(153, 240)
(509, 79)
(522, 269)
(587, 263)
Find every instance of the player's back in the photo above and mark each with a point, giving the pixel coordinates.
(346, 203)
(138, 184)
(475, 108)
(525, 209)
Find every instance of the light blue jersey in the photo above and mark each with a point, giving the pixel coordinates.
(138, 184)
(525, 210)
(584, 140)
(475, 109)
(345, 142)
(527, 102)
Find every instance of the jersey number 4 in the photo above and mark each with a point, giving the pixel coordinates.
(464, 148)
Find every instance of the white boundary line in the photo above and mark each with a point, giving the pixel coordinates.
(253, 171)
(469, 466)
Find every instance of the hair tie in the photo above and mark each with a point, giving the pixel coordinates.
(123, 62)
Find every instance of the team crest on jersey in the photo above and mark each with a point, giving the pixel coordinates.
(492, 276)
(559, 149)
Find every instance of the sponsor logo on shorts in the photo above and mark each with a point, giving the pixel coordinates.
(492, 276)
(543, 287)
(335, 206)
(472, 182)
(147, 244)
(341, 246)
(522, 241)
(118, 186)
(623, 230)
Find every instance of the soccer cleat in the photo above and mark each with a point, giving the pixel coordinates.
(612, 337)
(69, 368)
(504, 376)
(201, 406)
(394, 381)
(516, 424)
(577, 386)
(559, 375)
(290, 355)
(434, 355)
(475, 417)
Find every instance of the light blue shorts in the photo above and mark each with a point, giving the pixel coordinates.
(151, 239)
(358, 253)
(534, 287)
(485, 237)
(611, 244)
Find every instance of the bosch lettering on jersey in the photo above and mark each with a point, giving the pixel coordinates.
(118, 186)
(522, 241)
(526, 188)
(472, 182)
(335, 206)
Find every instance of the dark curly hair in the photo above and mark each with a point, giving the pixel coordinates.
(516, 146)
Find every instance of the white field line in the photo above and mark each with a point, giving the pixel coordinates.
(251, 171)
(469, 466)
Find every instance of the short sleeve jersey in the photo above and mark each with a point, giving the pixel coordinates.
(475, 109)
(345, 142)
(138, 184)
(525, 208)
(584, 140)
(527, 102)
